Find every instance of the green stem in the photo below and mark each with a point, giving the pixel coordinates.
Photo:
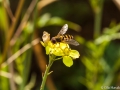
(51, 60)
(98, 17)
(58, 58)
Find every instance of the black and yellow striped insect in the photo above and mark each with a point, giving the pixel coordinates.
(64, 38)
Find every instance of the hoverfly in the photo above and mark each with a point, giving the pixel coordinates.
(64, 38)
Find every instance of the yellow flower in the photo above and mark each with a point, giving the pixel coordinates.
(59, 49)
(62, 49)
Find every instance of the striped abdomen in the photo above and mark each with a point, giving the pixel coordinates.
(66, 37)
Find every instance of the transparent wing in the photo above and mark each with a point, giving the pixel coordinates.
(72, 42)
(63, 30)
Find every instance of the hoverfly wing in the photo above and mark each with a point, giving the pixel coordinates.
(63, 30)
(72, 42)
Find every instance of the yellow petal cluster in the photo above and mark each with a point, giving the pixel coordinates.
(60, 49)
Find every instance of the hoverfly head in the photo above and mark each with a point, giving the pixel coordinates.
(53, 40)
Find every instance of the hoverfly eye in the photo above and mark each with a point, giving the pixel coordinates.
(53, 40)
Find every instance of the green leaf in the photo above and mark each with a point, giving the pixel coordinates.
(29, 27)
(47, 20)
(67, 61)
(60, 21)
(74, 54)
(42, 21)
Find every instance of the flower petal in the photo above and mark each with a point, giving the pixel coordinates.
(42, 43)
(58, 52)
(64, 45)
(47, 49)
(74, 54)
(67, 61)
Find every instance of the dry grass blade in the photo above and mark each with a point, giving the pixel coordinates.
(11, 30)
(117, 2)
(44, 3)
(18, 53)
(23, 22)
(5, 74)
(8, 9)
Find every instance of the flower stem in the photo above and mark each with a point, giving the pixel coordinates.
(51, 60)
(98, 18)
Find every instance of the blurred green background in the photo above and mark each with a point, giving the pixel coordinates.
(95, 24)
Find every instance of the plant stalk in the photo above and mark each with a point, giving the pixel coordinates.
(51, 60)
(98, 18)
